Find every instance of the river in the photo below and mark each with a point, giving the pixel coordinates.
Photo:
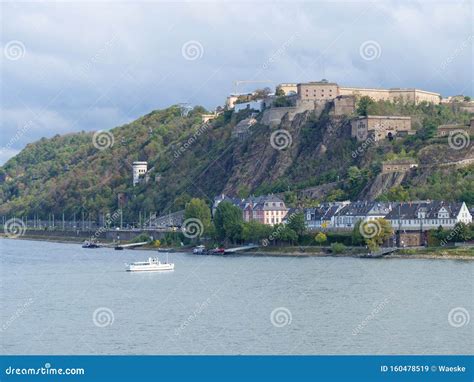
(62, 299)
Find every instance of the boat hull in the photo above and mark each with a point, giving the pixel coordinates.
(150, 268)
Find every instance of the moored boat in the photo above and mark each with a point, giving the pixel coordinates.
(200, 250)
(90, 244)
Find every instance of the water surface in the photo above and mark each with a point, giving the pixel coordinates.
(216, 305)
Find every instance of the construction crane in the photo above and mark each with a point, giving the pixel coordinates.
(238, 82)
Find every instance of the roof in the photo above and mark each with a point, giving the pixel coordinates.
(384, 117)
(400, 161)
(323, 212)
(263, 202)
(409, 210)
(453, 126)
(365, 209)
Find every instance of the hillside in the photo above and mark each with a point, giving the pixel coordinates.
(70, 174)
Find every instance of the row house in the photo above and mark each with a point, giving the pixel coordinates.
(406, 216)
(348, 216)
(323, 216)
(425, 215)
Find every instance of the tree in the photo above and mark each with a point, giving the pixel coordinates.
(285, 233)
(460, 233)
(375, 232)
(363, 105)
(279, 92)
(254, 231)
(228, 221)
(296, 223)
(198, 209)
(320, 238)
(357, 238)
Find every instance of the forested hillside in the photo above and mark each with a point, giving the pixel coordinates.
(74, 173)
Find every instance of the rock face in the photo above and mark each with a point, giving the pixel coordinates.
(382, 183)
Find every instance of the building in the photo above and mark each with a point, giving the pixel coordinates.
(256, 105)
(139, 169)
(231, 99)
(445, 130)
(323, 216)
(266, 209)
(223, 197)
(394, 94)
(288, 89)
(399, 165)
(344, 105)
(324, 90)
(380, 127)
(317, 91)
(208, 117)
(426, 215)
(348, 216)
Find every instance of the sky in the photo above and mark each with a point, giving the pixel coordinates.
(72, 66)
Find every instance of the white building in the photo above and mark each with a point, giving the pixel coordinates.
(413, 216)
(252, 105)
(139, 170)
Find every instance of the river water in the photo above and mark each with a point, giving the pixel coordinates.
(62, 299)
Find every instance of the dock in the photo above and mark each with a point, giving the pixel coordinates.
(131, 245)
(240, 249)
(380, 253)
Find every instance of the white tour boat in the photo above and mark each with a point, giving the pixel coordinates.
(153, 264)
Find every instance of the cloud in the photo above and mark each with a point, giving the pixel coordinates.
(94, 65)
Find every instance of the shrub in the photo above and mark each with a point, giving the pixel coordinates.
(337, 248)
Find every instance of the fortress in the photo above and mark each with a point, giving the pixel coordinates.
(315, 96)
(324, 91)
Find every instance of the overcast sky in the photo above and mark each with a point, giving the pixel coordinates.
(95, 65)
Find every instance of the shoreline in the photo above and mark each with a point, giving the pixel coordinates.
(435, 254)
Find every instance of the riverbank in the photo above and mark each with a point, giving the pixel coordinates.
(440, 253)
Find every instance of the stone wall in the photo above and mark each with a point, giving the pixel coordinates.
(381, 126)
(344, 105)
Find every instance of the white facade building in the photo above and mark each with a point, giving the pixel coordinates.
(252, 105)
(139, 170)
